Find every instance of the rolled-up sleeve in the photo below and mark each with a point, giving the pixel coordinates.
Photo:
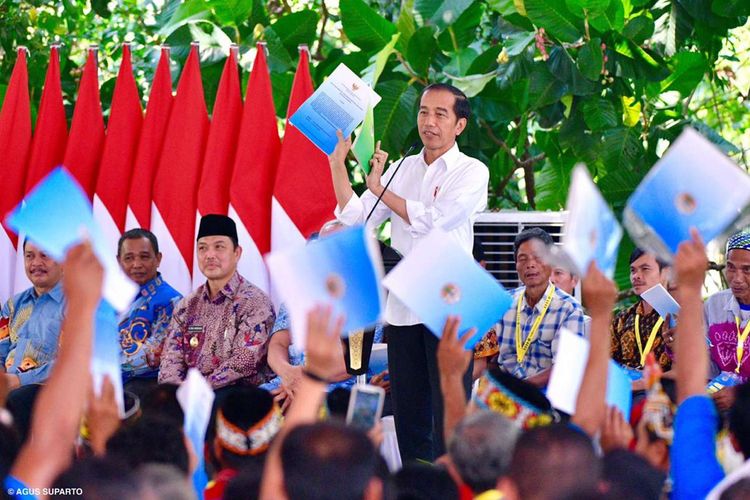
(453, 205)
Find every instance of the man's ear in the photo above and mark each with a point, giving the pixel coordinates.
(158, 259)
(461, 126)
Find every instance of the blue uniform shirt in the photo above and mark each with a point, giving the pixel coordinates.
(30, 333)
(143, 328)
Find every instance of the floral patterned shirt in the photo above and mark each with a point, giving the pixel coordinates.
(226, 338)
(624, 348)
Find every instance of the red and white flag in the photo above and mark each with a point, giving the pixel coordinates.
(303, 192)
(251, 189)
(123, 132)
(149, 145)
(15, 142)
(173, 214)
(84, 149)
(216, 174)
(47, 144)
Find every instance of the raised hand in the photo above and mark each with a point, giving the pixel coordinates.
(452, 355)
(323, 342)
(377, 165)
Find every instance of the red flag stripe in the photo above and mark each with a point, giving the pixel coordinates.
(123, 132)
(150, 142)
(303, 185)
(256, 161)
(15, 138)
(84, 148)
(51, 131)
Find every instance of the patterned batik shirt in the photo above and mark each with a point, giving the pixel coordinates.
(563, 312)
(143, 328)
(225, 338)
(624, 347)
(30, 333)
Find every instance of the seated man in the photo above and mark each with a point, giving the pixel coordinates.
(528, 332)
(639, 329)
(564, 280)
(144, 327)
(727, 317)
(222, 327)
(30, 331)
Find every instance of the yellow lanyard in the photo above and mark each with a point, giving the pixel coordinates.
(741, 338)
(651, 337)
(523, 347)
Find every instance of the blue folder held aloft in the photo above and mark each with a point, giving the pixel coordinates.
(438, 278)
(693, 185)
(342, 270)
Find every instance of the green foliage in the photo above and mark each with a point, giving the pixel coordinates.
(552, 82)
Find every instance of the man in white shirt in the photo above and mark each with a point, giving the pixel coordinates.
(439, 187)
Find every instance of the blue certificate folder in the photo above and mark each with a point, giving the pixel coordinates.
(342, 270)
(693, 185)
(619, 389)
(438, 278)
(340, 103)
(592, 232)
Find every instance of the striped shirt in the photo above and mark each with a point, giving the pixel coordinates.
(563, 312)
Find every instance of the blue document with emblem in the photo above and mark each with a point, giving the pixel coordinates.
(342, 270)
(340, 103)
(105, 359)
(56, 215)
(592, 232)
(619, 389)
(196, 399)
(438, 278)
(693, 185)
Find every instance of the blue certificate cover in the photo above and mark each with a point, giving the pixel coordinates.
(342, 270)
(592, 232)
(693, 185)
(55, 216)
(438, 278)
(619, 389)
(105, 360)
(340, 103)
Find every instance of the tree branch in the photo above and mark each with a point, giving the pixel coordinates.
(409, 70)
(500, 142)
(319, 51)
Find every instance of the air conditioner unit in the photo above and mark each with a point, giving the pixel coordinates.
(497, 230)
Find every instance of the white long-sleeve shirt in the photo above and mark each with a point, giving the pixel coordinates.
(448, 194)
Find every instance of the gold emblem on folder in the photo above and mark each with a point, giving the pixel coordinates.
(450, 293)
(335, 286)
(685, 203)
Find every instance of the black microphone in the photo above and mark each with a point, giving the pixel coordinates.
(411, 148)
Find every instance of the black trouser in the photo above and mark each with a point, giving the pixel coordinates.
(20, 404)
(415, 388)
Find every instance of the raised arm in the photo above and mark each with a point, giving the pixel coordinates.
(57, 413)
(453, 361)
(599, 295)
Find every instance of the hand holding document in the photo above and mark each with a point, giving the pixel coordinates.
(343, 270)
(105, 359)
(439, 279)
(592, 232)
(567, 376)
(693, 185)
(340, 103)
(196, 399)
(55, 216)
(660, 299)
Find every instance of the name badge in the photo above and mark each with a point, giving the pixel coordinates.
(193, 332)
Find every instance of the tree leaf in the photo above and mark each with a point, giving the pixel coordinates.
(544, 88)
(186, 12)
(231, 11)
(599, 114)
(688, 69)
(621, 149)
(460, 62)
(564, 69)
(555, 18)
(471, 85)
(517, 43)
(486, 61)
(464, 31)
(367, 29)
(441, 13)
(101, 8)
(279, 59)
(405, 24)
(553, 182)
(295, 29)
(631, 111)
(639, 28)
(591, 59)
(395, 114)
(613, 19)
(422, 47)
(581, 8)
(378, 61)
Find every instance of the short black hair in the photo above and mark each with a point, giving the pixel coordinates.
(150, 439)
(531, 233)
(243, 407)
(421, 481)
(739, 418)
(161, 401)
(461, 106)
(638, 253)
(137, 234)
(327, 461)
(96, 477)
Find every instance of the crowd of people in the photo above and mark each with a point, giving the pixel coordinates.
(469, 423)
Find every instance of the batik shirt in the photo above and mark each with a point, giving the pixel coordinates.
(30, 333)
(624, 346)
(720, 311)
(143, 328)
(226, 337)
(563, 312)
